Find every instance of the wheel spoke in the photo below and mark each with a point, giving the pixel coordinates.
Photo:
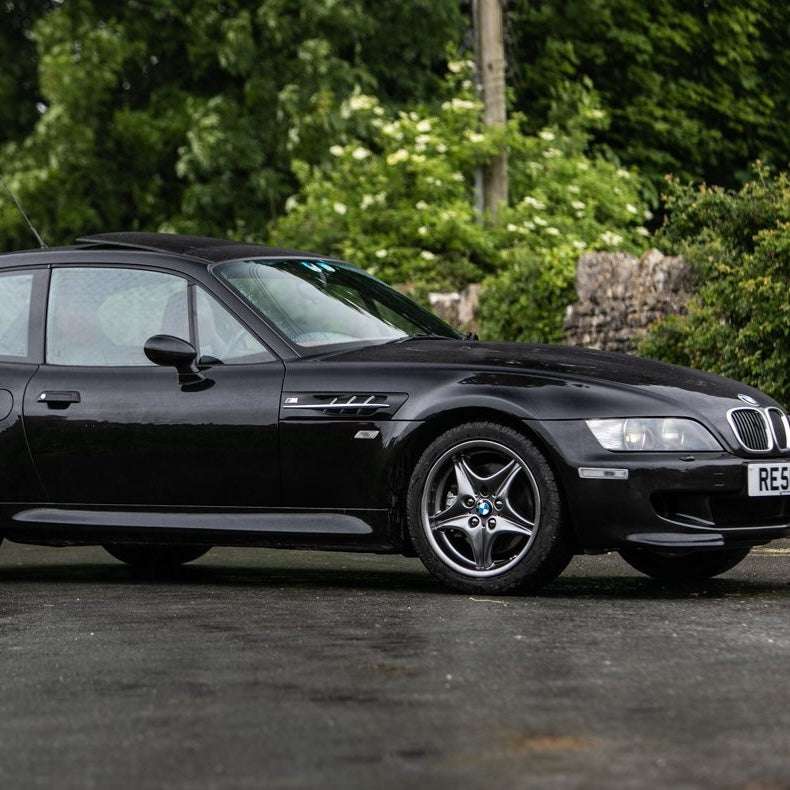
(442, 522)
(509, 514)
(470, 482)
(515, 521)
(465, 477)
(503, 479)
(456, 510)
(482, 542)
(513, 526)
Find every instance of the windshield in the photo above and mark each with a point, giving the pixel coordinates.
(318, 303)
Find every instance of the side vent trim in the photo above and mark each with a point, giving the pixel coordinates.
(335, 405)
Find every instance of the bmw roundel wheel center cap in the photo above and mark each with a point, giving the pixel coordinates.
(484, 508)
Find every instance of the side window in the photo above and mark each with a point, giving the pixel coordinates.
(15, 292)
(104, 316)
(221, 338)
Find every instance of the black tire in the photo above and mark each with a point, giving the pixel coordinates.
(683, 568)
(155, 557)
(493, 475)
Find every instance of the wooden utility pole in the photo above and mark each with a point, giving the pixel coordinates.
(489, 27)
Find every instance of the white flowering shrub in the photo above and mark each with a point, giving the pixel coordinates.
(399, 199)
(564, 202)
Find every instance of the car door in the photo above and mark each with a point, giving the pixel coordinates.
(107, 427)
(21, 291)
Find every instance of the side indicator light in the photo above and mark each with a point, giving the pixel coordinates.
(602, 473)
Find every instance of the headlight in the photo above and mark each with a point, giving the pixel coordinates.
(653, 434)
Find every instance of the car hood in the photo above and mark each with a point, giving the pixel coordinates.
(599, 373)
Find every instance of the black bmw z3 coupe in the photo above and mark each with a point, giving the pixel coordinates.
(162, 394)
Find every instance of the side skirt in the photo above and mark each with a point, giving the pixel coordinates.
(356, 530)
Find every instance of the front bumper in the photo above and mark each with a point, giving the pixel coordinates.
(674, 501)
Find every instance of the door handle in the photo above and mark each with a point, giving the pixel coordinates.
(59, 399)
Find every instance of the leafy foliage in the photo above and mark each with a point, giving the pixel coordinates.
(186, 114)
(570, 202)
(396, 197)
(696, 88)
(18, 83)
(399, 199)
(738, 323)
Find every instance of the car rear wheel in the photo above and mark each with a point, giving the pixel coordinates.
(485, 512)
(155, 557)
(694, 567)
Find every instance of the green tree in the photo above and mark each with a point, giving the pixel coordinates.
(186, 114)
(738, 243)
(698, 88)
(18, 82)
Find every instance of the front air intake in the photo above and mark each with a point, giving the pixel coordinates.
(751, 429)
(779, 427)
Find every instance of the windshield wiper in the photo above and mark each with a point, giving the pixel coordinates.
(421, 336)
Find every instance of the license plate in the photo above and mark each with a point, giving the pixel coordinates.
(769, 479)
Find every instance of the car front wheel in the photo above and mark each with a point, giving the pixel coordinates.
(695, 567)
(485, 512)
(155, 557)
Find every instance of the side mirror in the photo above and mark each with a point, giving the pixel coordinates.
(171, 351)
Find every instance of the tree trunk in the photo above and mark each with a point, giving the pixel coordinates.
(491, 70)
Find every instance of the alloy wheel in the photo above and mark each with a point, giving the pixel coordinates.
(480, 508)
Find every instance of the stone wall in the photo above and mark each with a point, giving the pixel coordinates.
(458, 308)
(620, 295)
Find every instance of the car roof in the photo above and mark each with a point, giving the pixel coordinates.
(194, 247)
(199, 249)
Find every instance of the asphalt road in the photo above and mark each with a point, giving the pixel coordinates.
(253, 668)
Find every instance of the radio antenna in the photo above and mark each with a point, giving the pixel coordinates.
(22, 212)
